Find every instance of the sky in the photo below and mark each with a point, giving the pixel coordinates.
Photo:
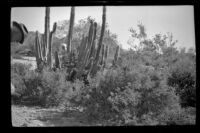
(178, 20)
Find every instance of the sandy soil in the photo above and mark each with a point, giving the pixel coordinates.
(23, 116)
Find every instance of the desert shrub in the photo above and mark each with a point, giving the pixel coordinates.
(181, 116)
(47, 88)
(120, 97)
(18, 71)
(183, 78)
(57, 90)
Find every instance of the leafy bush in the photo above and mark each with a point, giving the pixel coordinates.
(123, 97)
(18, 71)
(47, 88)
(57, 90)
(183, 78)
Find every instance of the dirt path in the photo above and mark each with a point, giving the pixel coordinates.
(26, 60)
(23, 116)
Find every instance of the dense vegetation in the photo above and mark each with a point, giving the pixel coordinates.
(152, 84)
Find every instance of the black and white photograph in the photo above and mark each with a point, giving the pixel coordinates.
(102, 65)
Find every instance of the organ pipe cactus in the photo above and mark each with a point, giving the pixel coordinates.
(37, 49)
(47, 31)
(92, 52)
(96, 60)
(49, 58)
(57, 60)
(89, 58)
(43, 43)
(116, 55)
(102, 55)
(106, 54)
(69, 37)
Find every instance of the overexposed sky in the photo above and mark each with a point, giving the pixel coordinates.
(179, 20)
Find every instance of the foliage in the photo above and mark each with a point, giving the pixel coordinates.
(48, 88)
(149, 83)
(18, 71)
(160, 52)
(120, 97)
(183, 78)
(146, 87)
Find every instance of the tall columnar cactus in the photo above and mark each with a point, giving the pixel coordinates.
(37, 49)
(47, 31)
(102, 55)
(96, 60)
(116, 55)
(89, 57)
(70, 32)
(105, 55)
(49, 58)
(57, 60)
(92, 52)
(43, 43)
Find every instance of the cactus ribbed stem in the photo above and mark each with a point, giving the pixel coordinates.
(90, 34)
(105, 55)
(37, 51)
(49, 58)
(44, 43)
(57, 60)
(116, 55)
(92, 49)
(95, 64)
(102, 33)
(69, 37)
(102, 55)
(47, 30)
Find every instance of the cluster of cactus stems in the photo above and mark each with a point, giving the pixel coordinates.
(89, 58)
(43, 43)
